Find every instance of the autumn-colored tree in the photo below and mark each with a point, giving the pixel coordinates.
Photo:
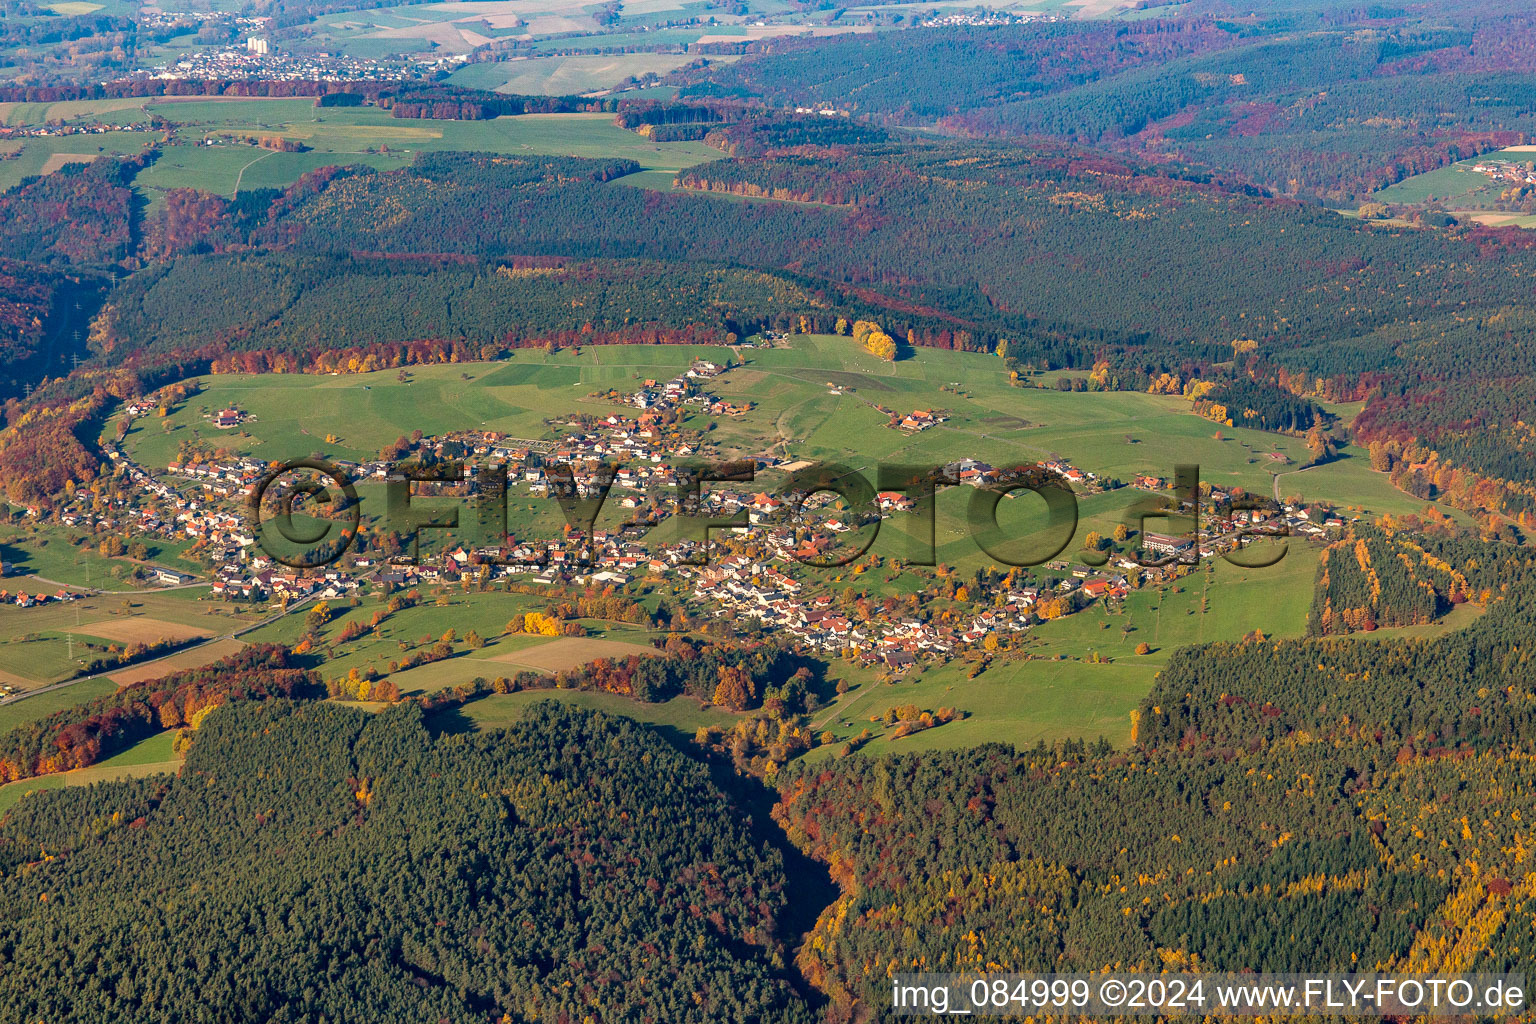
(736, 689)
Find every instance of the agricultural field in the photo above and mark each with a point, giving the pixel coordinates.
(290, 415)
(58, 555)
(486, 614)
(44, 156)
(1063, 689)
(679, 717)
(576, 74)
(51, 643)
(370, 136)
(44, 704)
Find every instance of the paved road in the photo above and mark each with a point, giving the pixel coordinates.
(95, 592)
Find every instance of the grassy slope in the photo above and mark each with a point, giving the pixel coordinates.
(1117, 434)
(148, 757)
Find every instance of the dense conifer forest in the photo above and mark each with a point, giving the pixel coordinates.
(312, 862)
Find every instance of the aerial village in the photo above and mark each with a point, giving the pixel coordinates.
(763, 574)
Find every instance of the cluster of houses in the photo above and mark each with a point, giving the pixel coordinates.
(983, 17)
(48, 131)
(685, 387)
(246, 64)
(203, 500)
(25, 599)
(1506, 170)
(745, 587)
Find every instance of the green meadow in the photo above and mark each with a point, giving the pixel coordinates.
(53, 642)
(291, 414)
(441, 610)
(680, 716)
(367, 135)
(1456, 186)
(151, 756)
(44, 704)
(44, 156)
(567, 75)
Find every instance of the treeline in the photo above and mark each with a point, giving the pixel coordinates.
(354, 313)
(402, 98)
(735, 677)
(572, 867)
(763, 133)
(80, 736)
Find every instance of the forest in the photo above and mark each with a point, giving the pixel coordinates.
(572, 867)
(1343, 804)
(1326, 803)
(1306, 99)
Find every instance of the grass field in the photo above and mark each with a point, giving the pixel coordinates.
(333, 135)
(370, 136)
(1455, 186)
(484, 613)
(148, 757)
(50, 551)
(681, 716)
(1058, 693)
(43, 156)
(45, 704)
(292, 414)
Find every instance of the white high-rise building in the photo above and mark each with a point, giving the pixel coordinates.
(257, 45)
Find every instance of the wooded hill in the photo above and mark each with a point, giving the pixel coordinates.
(313, 862)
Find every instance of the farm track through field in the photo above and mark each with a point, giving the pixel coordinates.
(241, 175)
(839, 708)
